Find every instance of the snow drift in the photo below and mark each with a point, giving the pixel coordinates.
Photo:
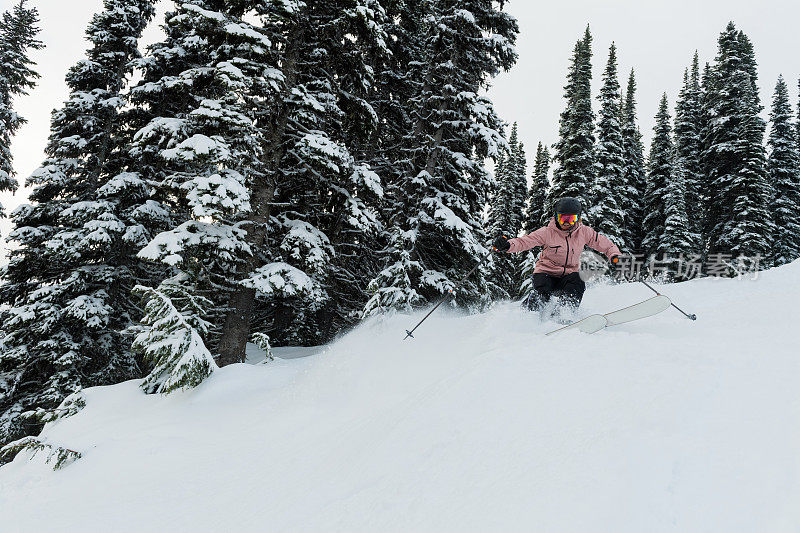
(480, 423)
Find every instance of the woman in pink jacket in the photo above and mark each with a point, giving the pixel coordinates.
(562, 241)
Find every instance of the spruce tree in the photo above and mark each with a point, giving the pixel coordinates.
(784, 173)
(496, 210)
(329, 197)
(574, 176)
(659, 177)
(506, 208)
(537, 214)
(171, 336)
(797, 122)
(438, 235)
(18, 37)
(733, 157)
(688, 148)
(677, 244)
(520, 189)
(607, 213)
(67, 292)
(537, 211)
(503, 200)
(634, 172)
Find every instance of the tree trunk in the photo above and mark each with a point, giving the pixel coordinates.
(236, 329)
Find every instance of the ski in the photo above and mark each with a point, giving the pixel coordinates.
(594, 323)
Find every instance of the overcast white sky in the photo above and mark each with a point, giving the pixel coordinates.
(657, 38)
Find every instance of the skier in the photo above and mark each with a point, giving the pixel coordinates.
(562, 240)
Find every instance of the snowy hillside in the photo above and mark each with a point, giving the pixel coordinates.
(481, 423)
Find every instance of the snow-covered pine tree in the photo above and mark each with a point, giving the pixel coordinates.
(536, 214)
(170, 338)
(634, 172)
(501, 205)
(797, 122)
(438, 234)
(609, 192)
(688, 148)
(574, 151)
(18, 38)
(678, 242)
(706, 117)
(751, 229)
(397, 81)
(733, 157)
(209, 150)
(784, 173)
(67, 286)
(520, 186)
(507, 207)
(496, 210)
(326, 219)
(500, 211)
(659, 176)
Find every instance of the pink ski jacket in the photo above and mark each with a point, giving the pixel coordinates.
(562, 248)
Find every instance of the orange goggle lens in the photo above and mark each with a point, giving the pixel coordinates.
(567, 219)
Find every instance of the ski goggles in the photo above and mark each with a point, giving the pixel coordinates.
(567, 220)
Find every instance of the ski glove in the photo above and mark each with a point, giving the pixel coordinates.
(501, 244)
(615, 264)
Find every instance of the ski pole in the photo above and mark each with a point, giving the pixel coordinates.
(692, 316)
(446, 296)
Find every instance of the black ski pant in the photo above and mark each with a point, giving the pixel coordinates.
(569, 289)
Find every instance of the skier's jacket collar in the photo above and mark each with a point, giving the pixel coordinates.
(561, 249)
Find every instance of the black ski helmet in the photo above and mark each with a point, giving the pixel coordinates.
(568, 206)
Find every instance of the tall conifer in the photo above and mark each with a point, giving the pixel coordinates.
(688, 147)
(574, 152)
(18, 37)
(634, 172)
(67, 292)
(733, 158)
(784, 173)
(659, 176)
(438, 235)
(537, 211)
(606, 212)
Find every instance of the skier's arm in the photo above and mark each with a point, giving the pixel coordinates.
(601, 243)
(526, 242)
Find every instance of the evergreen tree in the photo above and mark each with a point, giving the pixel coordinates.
(609, 192)
(438, 235)
(18, 37)
(688, 147)
(67, 290)
(331, 221)
(506, 208)
(784, 173)
(496, 208)
(501, 207)
(537, 214)
(734, 158)
(210, 145)
(574, 151)
(171, 338)
(677, 243)
(797, 122)
(659, 177)
(634, 172)
(537, 211)
(520, 190)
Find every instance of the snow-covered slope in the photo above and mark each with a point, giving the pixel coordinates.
(480, 423)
